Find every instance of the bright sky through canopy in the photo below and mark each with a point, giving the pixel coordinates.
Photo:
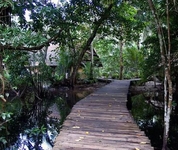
(28, 12)
(54, 1)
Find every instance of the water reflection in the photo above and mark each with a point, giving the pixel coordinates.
(34, 126)
(32, 129)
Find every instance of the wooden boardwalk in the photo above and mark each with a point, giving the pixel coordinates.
(101, 121)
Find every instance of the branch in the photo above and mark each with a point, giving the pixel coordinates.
(176, 9)
(4, 122)
(97, 24)
(8, 47)
(3, 84)
(154, 105)
(72, 42)
(160, 33)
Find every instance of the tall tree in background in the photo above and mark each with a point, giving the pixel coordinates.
(121, 60)
(126, 29)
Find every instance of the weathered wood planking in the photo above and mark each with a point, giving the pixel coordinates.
(101, 121)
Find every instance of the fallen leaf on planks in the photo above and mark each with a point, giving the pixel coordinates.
(80, 138)
(87, 132)
(142, 142)
(75, 127)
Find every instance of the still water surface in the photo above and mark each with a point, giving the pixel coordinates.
(37, 128)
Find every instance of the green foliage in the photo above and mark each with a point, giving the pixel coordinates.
(35, 131)
(90, 73)
(20, 73)
(3, 139)
(152, 59)
(8, 111)
(77, 19)
(141, 110)
(6, 115)
(87, 70)
(17, 37)
(6, 3)
(133, 60)
(65, 62)
(149, 119)
(17, 73)
(109, 56)
(45, 72)
(128, 12)
(63, 108)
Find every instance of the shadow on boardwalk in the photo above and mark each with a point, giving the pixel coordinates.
(101, 121)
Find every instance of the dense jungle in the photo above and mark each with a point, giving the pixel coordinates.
(54, 53)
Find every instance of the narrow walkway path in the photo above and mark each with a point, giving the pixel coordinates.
(101, 121)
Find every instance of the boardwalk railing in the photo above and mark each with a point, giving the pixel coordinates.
(101, 121)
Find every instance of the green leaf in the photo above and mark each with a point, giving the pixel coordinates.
(3, 140)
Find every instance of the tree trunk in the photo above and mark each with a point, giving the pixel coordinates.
(121, 60)
(166, 62)
(168, 107)
(92, 62)
(1, 65)
(104, 16)
(176, 94)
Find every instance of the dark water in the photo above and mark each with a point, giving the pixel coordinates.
(34, 125)
(150, 120)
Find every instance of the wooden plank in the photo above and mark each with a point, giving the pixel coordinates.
(101, 121)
